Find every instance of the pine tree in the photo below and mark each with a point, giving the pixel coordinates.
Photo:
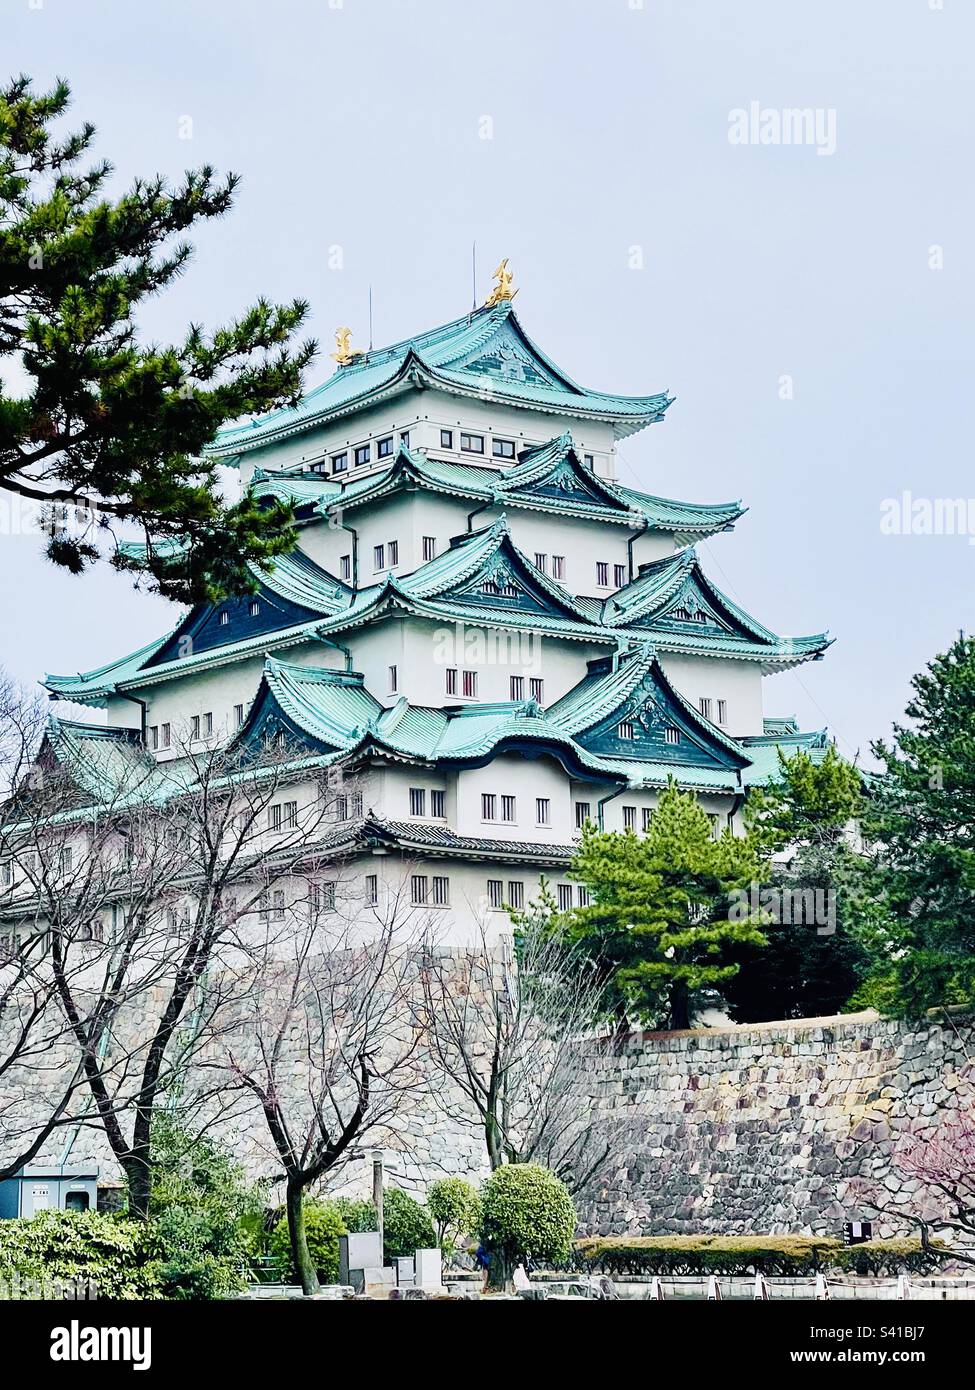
(919, 920)
(658, 917)
(804, 970)
(110, 432)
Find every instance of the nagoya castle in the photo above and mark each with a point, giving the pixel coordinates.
(493, 638)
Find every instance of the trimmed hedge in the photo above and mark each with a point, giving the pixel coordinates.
(780, 1255)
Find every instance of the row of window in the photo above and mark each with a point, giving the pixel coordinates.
(626, 730)
(602, 575)
(433, 890)
(437, 800)
(362, 454)
(253, 609)
(508, 805)
(386, 557)
(474, 444)
(583, 813)
(160, 736)
(468, 442)
(707, 705)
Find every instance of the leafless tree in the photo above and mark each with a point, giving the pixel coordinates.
(138, 893)
(511, 1030)
(322, 1036)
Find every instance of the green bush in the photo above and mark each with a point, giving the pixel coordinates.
(54, 1246)
(527, 1214)
(456, 1208)
(782, 1255)
(323, 1226)
(206, 1215)
(357, 1213)
(406, 1225)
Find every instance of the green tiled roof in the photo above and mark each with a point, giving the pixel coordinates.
(763, 750)
(336, 710)
(486, 355)
(107, 765)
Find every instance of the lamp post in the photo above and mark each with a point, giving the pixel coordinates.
(377, 1191)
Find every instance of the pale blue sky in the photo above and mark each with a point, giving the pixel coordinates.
(359, 125)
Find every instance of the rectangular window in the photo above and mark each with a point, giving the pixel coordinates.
(441, 892)
(321, 897)
(588, 460)
(195, 727)
(362, 455)
(224, 617)
(517, 687)
(647, 813)
(446, 439)
(429, 548)
(255, 608)
(274, 816)
(558, 566)
(509, 809)
(450, 683)
(489, 806)
(516, 894)
(705, 705)
(340, 462)
(671, 734)
(420, 888)
(154, 736)
(418, 801)
(536, 687)
(356, 805)
(470, 685)
(208, 725)
(379, 557)
(625, 729)
(345, 567)
(619, 575)
(404, 438)
(165, 736)
(582, 896)
(602, 574)
(629, 817)
(290, 815)
(541, 561)
(393, 554)
(277, 905)
(438, 805)
(583, 809)
(495, 892)
(503, 448)
(371, 890)
(564, 894)
(66, 859)
(722, 711)
(543, 810)
(384, 447)
(238, 716)
(393, 680)
(341, 808)
(472, 443)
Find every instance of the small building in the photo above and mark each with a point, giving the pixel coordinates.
(42, 1186)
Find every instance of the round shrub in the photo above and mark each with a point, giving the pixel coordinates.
(456, 1208)
(527, 1214)
(406, 1225)
(323, 1226)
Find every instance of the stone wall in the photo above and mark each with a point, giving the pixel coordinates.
(765, 1127)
